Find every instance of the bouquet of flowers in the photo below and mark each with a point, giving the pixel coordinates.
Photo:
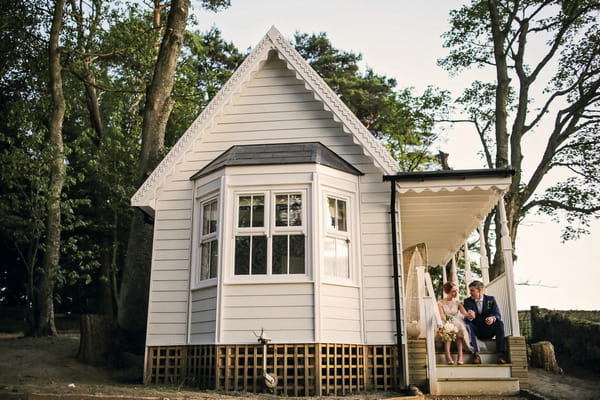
(448, 332)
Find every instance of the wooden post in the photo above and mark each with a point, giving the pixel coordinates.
(454, 270)
(507, 254)
(468, 275)
(444, 276)
(483, 261)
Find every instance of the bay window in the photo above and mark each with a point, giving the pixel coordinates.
(270, 233)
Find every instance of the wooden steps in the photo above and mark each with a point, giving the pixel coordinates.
(488, 378)
(478, 386)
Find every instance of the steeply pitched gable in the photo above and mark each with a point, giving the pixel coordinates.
(273, 40)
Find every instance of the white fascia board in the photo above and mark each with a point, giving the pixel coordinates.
(468, 184)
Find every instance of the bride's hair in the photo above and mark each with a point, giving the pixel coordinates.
(448, 286)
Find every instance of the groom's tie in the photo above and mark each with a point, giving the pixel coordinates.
(479, 305)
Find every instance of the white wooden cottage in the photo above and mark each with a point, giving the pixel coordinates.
(277, 211)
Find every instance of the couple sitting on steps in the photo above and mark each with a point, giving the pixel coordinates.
(478, 317)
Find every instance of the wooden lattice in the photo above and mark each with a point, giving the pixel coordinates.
(301, 369)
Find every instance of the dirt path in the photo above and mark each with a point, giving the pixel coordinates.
(48, 365)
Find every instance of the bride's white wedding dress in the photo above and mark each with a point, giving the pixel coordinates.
(451, 309)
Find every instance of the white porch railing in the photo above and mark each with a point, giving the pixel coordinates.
(499, 289)
(432, 320)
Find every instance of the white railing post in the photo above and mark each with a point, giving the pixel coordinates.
(430, 343)
(468, 275)
(483, 261)
(420, 294)
(507, 253)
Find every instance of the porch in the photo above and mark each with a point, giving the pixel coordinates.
(438, 213)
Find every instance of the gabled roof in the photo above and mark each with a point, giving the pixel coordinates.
(273, 40)
(277, 154)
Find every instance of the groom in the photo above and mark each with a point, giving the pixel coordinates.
(483, 321)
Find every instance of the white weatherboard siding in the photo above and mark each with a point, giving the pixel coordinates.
(168, 303)
(377, 270)
(273, 106)
(203, 318)
(340, 314)
(285, 311)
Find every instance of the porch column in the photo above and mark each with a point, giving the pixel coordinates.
(468, 275)
(507, 254)
(454, 270)
(444, 275)
(483, 261)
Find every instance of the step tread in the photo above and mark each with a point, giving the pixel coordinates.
(473, 365)
(476, 379)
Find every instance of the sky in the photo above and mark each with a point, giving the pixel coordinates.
(402, 39)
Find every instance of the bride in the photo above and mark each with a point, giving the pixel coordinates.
(452, 310)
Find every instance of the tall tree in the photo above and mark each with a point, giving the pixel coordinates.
(529, 43)
(45, 298)
(133, 296)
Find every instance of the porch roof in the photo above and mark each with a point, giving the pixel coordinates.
(442, 208)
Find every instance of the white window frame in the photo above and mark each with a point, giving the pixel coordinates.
(330, 232)
(201, 238)
(269, 230)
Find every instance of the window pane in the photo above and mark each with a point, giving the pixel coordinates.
(213, 217)
(204, 260)
(331, 213)
(295, 210)
(329, 259)
(281, 210)
(209, 215)
(242, 255)
(341, 215)
(259, 255)
(342, 265)
(244, 211)
(214, 258)
(258, 211)
(280, 254)
(297, 254)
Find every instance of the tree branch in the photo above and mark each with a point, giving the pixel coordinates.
(558, 205)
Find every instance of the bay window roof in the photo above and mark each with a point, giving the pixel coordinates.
(277, 154)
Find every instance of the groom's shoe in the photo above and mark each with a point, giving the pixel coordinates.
(502, 359)
(476, 359)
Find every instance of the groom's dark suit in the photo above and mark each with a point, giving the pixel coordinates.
(479, 329)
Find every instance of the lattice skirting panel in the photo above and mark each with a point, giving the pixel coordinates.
(301, 369)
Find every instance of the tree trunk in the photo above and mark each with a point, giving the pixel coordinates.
(502, 145)
(133, 297)
(45, 296)
(95, 345)
(542, 356)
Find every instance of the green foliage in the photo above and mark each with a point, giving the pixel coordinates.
(206, 63)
